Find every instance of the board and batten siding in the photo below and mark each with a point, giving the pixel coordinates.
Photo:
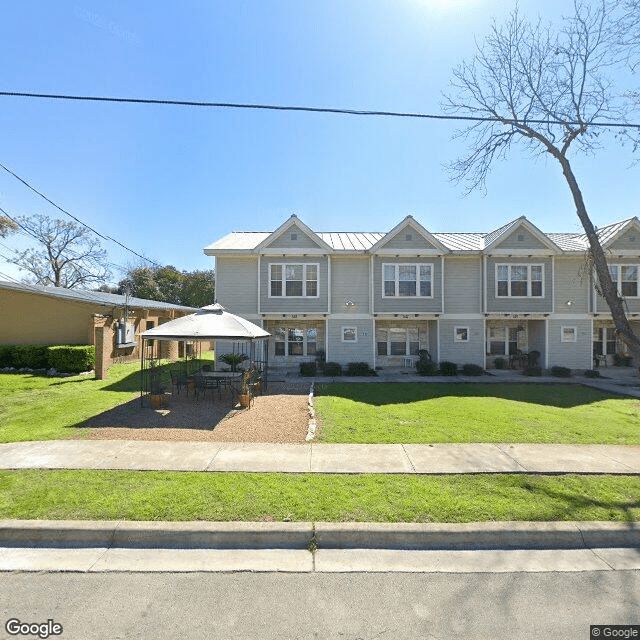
(462, 284)
(350, 282)
(407, 304)
(237, 284)
(571, 286)
(471, 352)
(574, 355)
(345, 352)
(519, 305)
(283, 304)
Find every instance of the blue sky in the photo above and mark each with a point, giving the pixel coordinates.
(167, 181)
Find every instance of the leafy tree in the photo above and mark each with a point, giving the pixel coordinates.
(68, 255)
(547, 90)
(167, 284)
(7, 226)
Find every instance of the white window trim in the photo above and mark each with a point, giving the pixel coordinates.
(575, 333)
(618, 282)
(305, 340)
(519, 264)
(417, 265)
(455, 334)
(354, 329)
(284, 266)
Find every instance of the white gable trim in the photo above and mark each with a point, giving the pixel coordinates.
(632, 222)
(492, 247)
(409, 221)
(283, 228)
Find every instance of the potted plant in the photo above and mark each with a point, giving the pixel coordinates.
(245, 386)
(233, 359)
(156, 388)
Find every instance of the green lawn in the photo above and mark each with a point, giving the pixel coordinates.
(135, 495)
(35, 407)
(429, 413)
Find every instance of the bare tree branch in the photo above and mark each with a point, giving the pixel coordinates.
(68, 255)
(526, 72)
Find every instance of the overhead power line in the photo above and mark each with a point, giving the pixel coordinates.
(278, 107)
(84, 224)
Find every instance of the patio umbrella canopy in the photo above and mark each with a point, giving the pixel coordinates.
(212, 322)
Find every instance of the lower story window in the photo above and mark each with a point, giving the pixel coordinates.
(502, 341)
(295, 341)
(604, 341)
(397, 341)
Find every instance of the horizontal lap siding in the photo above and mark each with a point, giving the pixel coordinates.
(571, 286)
(518, 305)
(345, 352)
(237, 284)
(283, 304)
(471, 352)
(632, 305)
(350, 281)
(407, 304)
(462, 285)
(574, 355)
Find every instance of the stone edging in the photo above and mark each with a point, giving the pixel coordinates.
(311, 433)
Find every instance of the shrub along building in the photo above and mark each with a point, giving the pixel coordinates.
(32, 314)
(465, 297)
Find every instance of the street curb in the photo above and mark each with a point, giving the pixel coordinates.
(477, 535)
(321, 535)
(160, 535)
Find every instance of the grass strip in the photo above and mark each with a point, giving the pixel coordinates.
(422, 413)
(179, 496)
(36, 407)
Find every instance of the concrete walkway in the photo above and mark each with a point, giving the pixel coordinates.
(321, 458)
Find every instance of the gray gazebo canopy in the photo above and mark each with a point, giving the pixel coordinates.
(212, 322)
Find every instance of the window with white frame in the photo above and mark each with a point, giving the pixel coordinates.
(295, 341)
(407, 280)
(625, 277)
(520, 280)
(569, 334)
(502, 340)
(397, 341)
(349, 334)
(293, 280)
(461, 334)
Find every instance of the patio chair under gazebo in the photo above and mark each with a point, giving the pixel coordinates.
(209, 324)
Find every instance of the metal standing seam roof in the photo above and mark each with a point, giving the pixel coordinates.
(455, 241)
(92, 297)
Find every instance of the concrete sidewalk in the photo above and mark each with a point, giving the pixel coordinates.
(322, 458)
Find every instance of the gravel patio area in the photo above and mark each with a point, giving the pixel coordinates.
(279, 415)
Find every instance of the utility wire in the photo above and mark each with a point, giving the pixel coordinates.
(24, 182)
(277, 107)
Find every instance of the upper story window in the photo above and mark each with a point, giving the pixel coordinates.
(520, 280)
(625, 277)
(293, 280)
(407, 280)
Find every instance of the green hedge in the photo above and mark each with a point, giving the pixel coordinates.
(72, 358)
(64, 358)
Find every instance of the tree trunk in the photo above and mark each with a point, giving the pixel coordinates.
(607, 286)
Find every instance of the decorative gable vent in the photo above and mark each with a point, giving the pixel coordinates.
(632, 238)
(521, 237)
(408, 237)
(294, 236)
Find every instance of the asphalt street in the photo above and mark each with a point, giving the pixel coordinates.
(275, 606)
